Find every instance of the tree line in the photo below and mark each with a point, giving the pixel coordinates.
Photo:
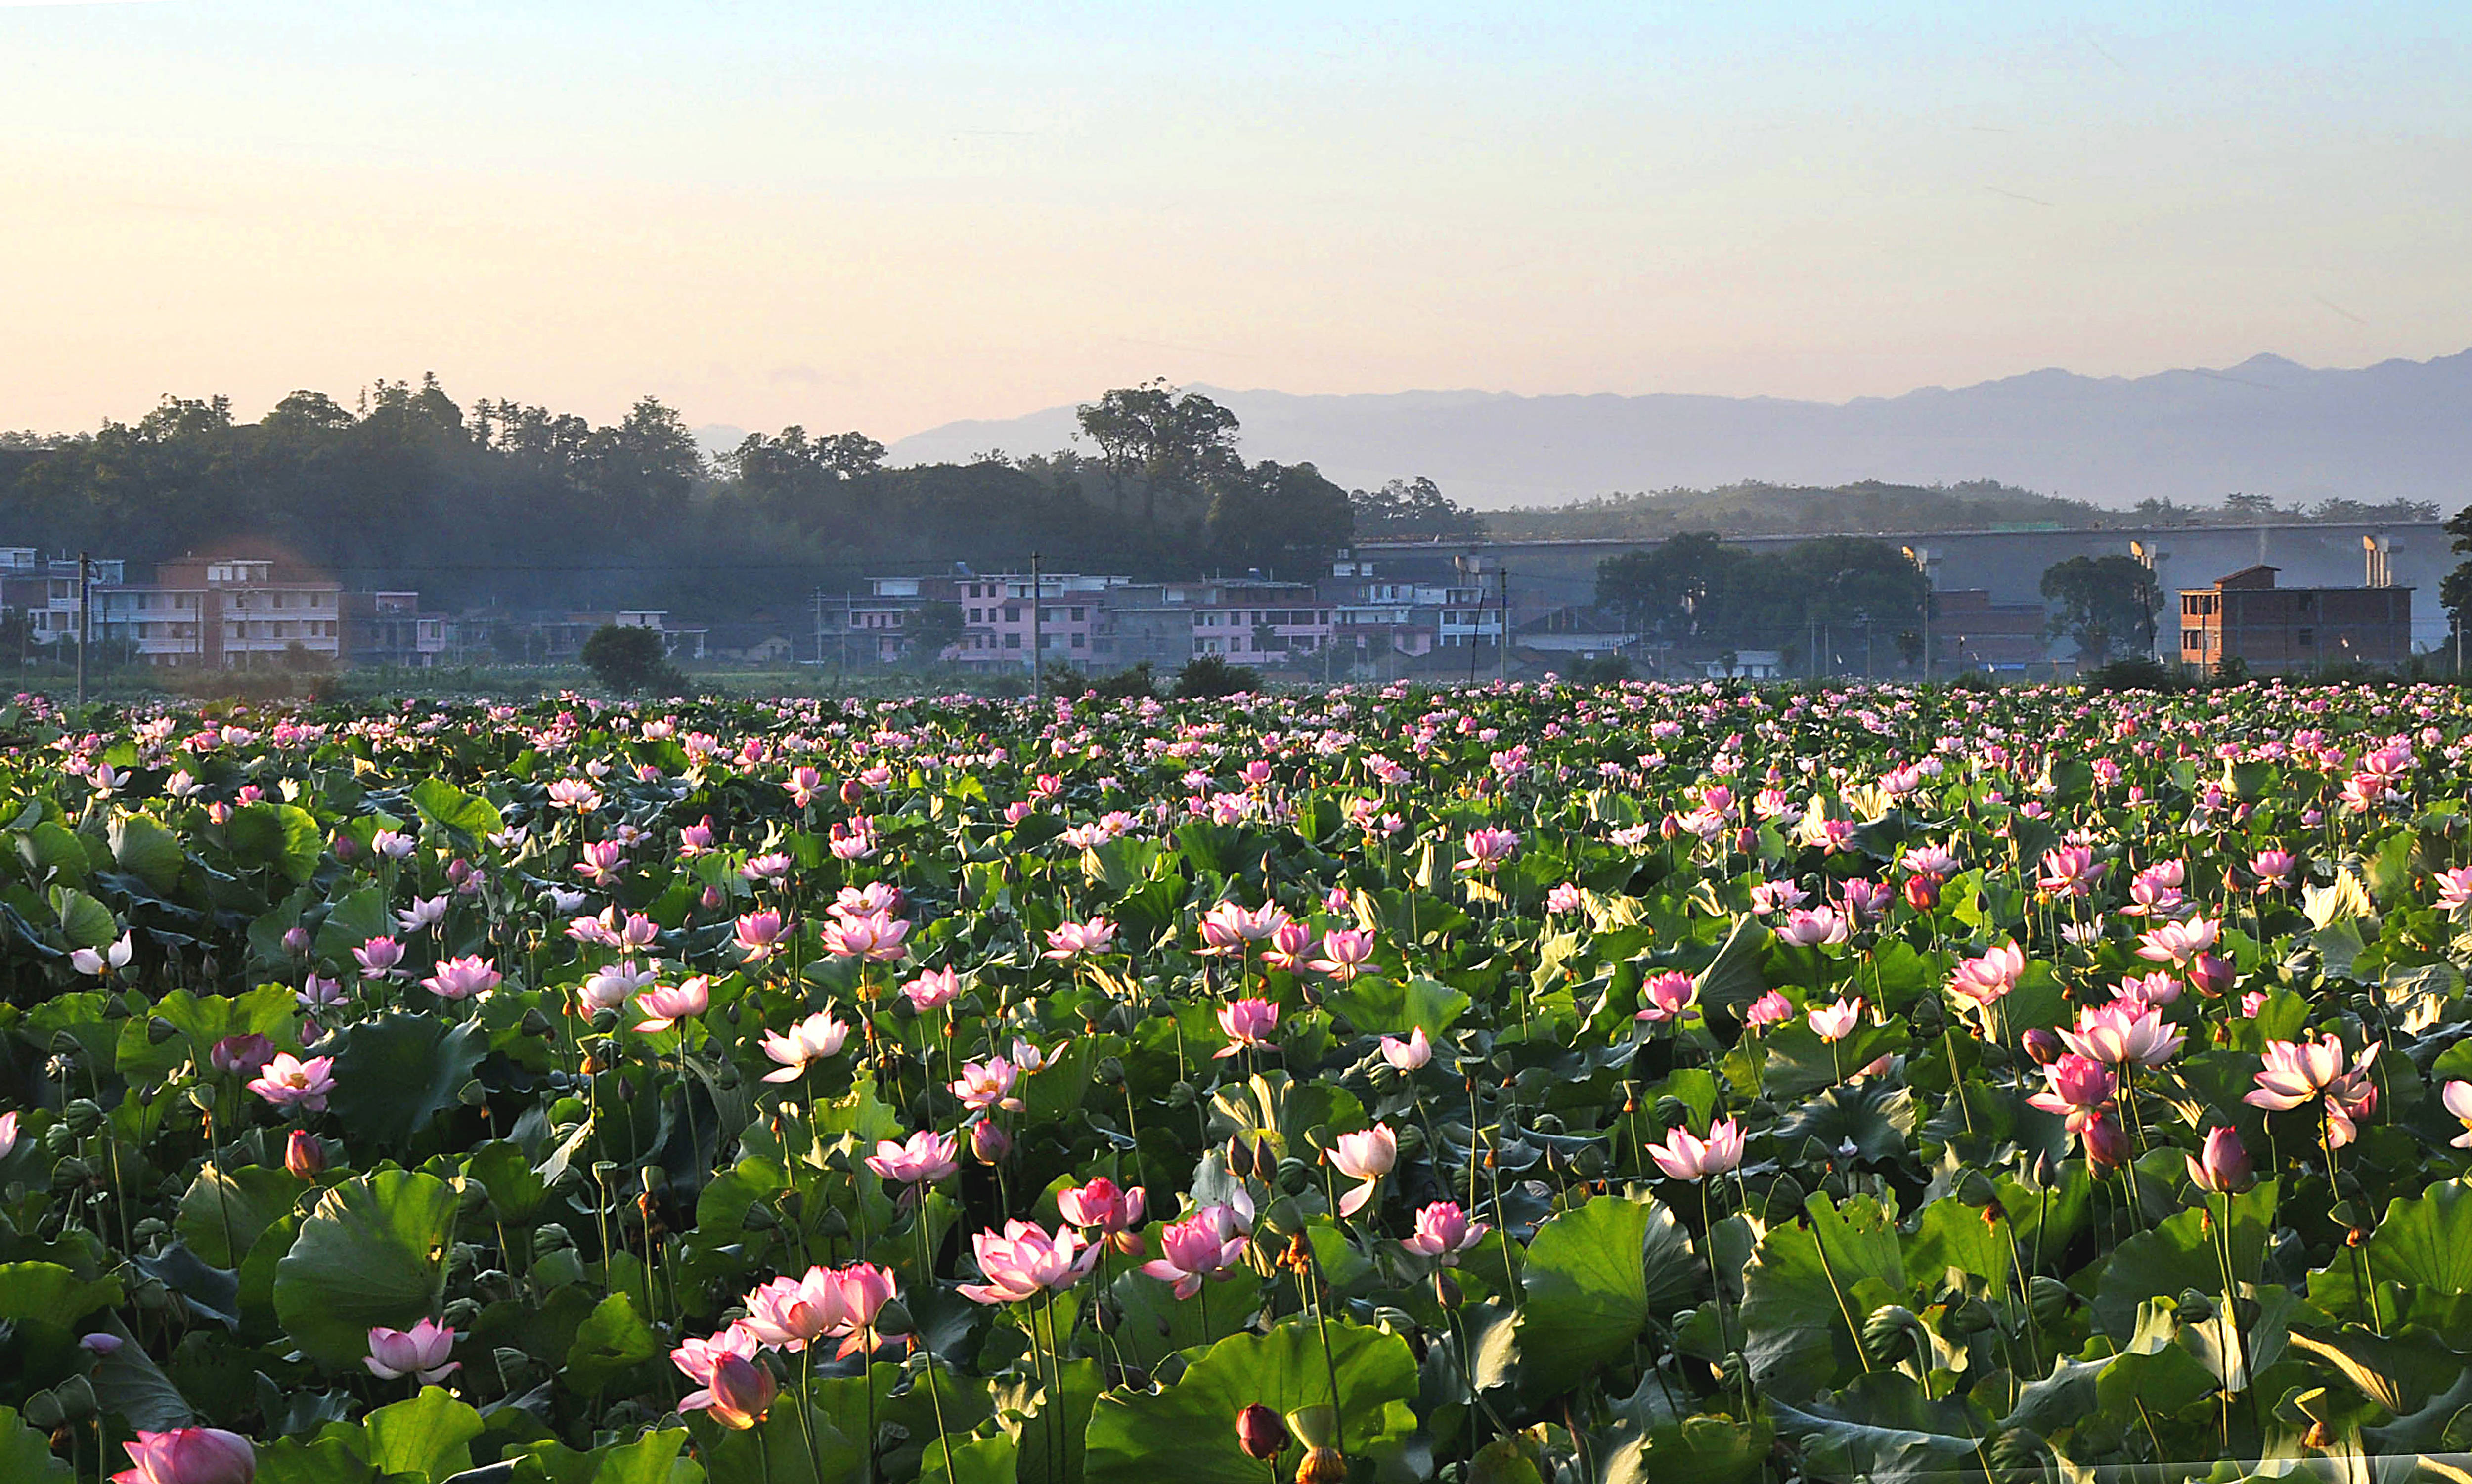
(527, 508)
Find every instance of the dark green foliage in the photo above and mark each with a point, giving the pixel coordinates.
(1209, 675)
(2108, 604)
(629, 660)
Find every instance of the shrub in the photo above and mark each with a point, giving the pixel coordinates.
(1208, 675)
(630, 660)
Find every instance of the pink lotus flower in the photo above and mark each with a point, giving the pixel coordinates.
(1248, 1023)
(378, 957)
(664, 1006)
(1670, 997)
(1072, 940)
(770, 867)
(806, 1043)
(793, 1314)
(1984, 981)
(1865, 901)
(1770, 1009)
(603, 861)
(2077, 1089)
(1835, 1022)
(924, 1158)
(425, 913)
(875, 938)
(292, 1084)
(462, 979)
(1203, 1246)
(2274, 869)
(1564, 898)
(802, 784)
(2454, 889)
(932, 990)
(1344, 954)
(573, 793)
(1810, 927)
(866, 1288)
(1024, 1261)
(1227, 927)
(2456, 1098)
(1288, 948)
(2221, 1166)
(2122, 1032)
(984, 1087)
(316, 991)
(1443, 1231)
(761, 935)
(612, 985)
(419, 1352)
(2298, 1071)
(2070, 870)
(738, 1394)
(852, 841)
(2152, 990)
(189, 1455)
(699, 1359)
(2106, 1145)
(1685, 1156)
(241, 1057)
(1410, 1054)
(302, 1155)
(1366, 1155)
(1777, 896)
(7, 1133)
(1488, 849)
(2176, 943)
(695, 839)
(1100, 1207)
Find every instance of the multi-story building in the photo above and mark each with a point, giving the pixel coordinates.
(388, 628)
(1000, 622)
(1969, 631)
(2278, 630)
(224, 613)
(1387, 616)
(46, 592)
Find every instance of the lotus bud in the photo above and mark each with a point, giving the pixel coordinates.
(990, 1144)
(742, 1392)
(296, 941)
(2043, 1045)
(1922, 892)
(1260, 1432)
(2212, 973)
(303, 1155)
(854, 793)
(711, 898)
(1240, 1158)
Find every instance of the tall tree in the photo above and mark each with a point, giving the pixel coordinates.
(1174, 443)
(2107, 605)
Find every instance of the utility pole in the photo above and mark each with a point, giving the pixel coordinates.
(818, 596)
(85, 625)
(1037, 689)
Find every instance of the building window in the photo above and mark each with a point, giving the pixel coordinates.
(1080, 640)
(1012, 641)
(1013, 615)
(2309, 639)
(2192, 639)
(1080, 615)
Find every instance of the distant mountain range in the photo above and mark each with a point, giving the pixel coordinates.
(2397, 429)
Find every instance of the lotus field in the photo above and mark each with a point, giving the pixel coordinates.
(1518, 1084)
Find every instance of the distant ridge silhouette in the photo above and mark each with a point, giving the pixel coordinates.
(2396, 429)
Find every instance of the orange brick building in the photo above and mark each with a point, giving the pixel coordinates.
(2282, 630)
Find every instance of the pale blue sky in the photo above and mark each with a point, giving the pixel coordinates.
(872, 217)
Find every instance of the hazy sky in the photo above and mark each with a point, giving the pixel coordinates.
(889, 217)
